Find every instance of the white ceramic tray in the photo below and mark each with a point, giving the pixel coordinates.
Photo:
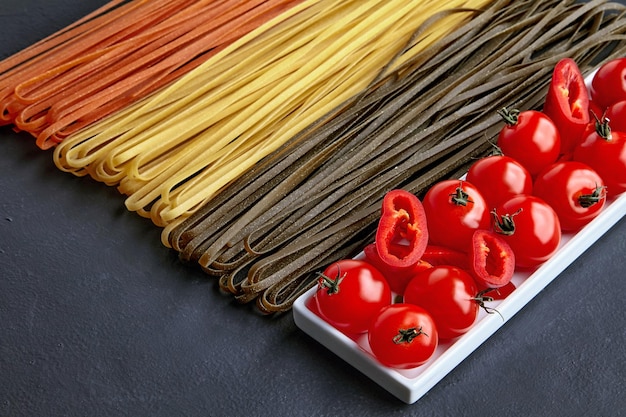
(410, 385)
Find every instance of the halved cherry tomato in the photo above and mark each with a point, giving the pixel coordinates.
(498, 178)
(454, 209)
(492, 260)
(567, 103)
(531, 227)
(574, 190)
(608, 84)
(451, 297)
(402, 233)
(403, 336)
(350, 293)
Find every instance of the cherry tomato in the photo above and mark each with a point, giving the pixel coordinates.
(403, 336)
(499, 178)
(454, 209)
(350, 293)
(531, 227)
(616, 114)
(450, 295)
(605, 151)
(574, 190)
(492, 260)
(608, 84)
(397, 277)
(531, 138)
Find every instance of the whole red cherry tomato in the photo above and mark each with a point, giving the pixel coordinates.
(616, 115)
(498, 178)
(454, 209)
(350, 293)
(492, 260)
(451, 297)
(531, 227)
(529, 137)
(608, 84)
(403, 336)
(574, 190)
(397, 277)
(605, 151)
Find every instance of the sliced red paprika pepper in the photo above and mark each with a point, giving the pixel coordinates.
(402, 234)
(397, 277)
(567, 103)
(440, 255)
(492, 261)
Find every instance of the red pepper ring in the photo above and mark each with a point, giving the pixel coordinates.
(492, 261)
(567, 103)
(402, 234)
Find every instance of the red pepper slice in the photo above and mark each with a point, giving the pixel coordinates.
(397, 277)
(440, 255)
(492, 261)
(402, 234)
(567, 103)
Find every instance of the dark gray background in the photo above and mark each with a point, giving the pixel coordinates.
(97, 318)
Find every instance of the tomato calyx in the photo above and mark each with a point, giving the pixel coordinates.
(481, 299)
(504, 224)
(602, 127)
(588, 200)
(407, 335)
(510, 117)
(460, 197)
(330, 285)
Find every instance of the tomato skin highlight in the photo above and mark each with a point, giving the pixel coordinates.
(402, 232)
(531, 138)
(616, 114)
(537, 230)
(397, 277)
(388, 346)
(448, 293)
(606, 155)
(498, 178)
(492, 260)
(569, 188)
(362, 292)
(608, 85)
(450, 223)
(567, 103)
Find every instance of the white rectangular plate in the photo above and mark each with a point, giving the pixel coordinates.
(410, 385)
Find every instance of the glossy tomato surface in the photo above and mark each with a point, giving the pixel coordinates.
(606, 154)
(498, 178)
(454, 209)
(403, 336)
(608, 84)
(533, 140)
(531, 227)
(449, 294)
(574, 190)
(350, 293)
